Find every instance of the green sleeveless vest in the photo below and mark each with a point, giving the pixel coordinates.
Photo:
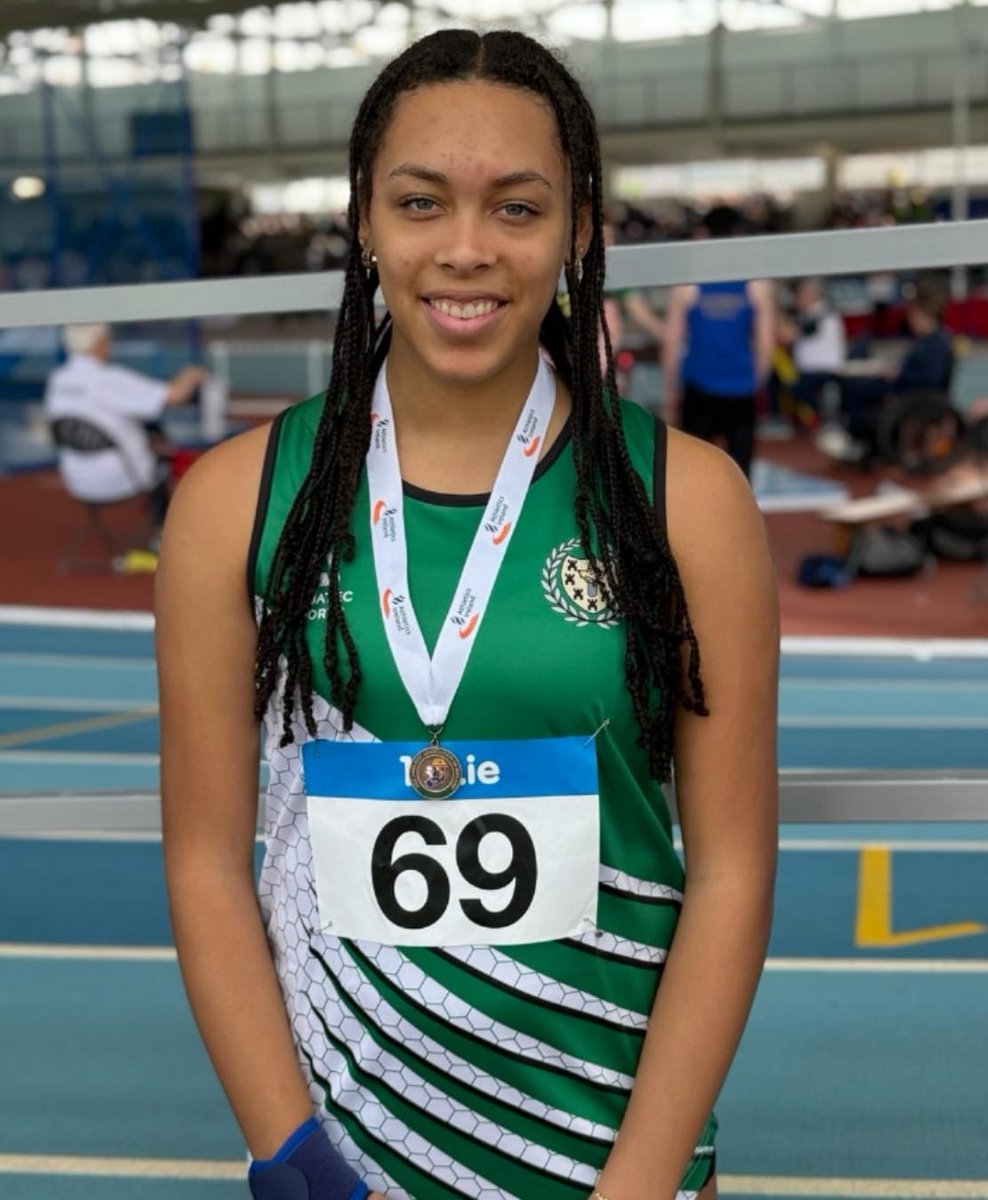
(478, 1071)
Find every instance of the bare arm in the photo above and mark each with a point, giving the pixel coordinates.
(762, 294)
(672, 351)
(182, 386)
(726, 787)
(209, 763)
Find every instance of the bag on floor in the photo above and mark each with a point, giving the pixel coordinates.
(882, 552)
(957, 536)
(822, 571)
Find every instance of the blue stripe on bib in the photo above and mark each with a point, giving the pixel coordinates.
(378, 770)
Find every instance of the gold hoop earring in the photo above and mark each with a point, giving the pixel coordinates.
(368, 258)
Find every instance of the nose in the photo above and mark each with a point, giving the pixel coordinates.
(466, 246)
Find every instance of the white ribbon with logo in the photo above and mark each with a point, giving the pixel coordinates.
(432, 683)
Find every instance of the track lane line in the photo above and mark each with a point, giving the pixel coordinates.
(837, 1187)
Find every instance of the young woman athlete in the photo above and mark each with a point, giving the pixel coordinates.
(478, 588)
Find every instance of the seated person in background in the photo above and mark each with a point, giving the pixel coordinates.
(812, 347)
(927, 367)
(121, 404)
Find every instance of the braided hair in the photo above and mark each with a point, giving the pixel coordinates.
(618, 526)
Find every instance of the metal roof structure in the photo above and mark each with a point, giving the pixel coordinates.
(28, 15)
(32, 15)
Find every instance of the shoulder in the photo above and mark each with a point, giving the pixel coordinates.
(716, 532)
(206, 541)
(639, 427)
(682, 296)
(56, 379)
(720, 546)
(637, 421)
(761, 291)
(234, 467)
(215, 501)
(306, 415)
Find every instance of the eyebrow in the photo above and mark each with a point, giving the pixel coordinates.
(431, 176)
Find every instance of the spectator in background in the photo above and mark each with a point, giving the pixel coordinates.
(812, 348)
(718, 352)
(928, 366)
(120, 404)
(819, 343)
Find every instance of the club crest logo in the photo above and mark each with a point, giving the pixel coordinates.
(571, 589)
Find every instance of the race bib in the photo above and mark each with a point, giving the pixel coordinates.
(512, 857)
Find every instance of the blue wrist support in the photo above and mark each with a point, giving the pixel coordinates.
(305, 1167)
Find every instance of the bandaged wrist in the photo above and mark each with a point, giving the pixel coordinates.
(305, 1167)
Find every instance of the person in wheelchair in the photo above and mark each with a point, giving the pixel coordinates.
(105, 420)
(925, 371)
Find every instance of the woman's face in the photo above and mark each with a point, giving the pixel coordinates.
(470, 222)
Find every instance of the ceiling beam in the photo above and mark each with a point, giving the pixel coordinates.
(26, 16)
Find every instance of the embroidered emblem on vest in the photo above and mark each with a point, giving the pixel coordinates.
(570, 588)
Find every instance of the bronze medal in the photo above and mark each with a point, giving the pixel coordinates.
(435, 773)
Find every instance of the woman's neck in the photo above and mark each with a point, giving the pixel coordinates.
(432, 405)
(452, 434)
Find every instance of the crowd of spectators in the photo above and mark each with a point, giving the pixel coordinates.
(237, 243)
(888, 206)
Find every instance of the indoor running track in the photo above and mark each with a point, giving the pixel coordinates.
(861, 1073)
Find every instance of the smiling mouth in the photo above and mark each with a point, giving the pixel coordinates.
(468, 311)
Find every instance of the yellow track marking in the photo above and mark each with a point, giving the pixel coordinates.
(43, 733)
(873, 926)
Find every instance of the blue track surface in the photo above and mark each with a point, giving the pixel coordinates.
(859, 1063)
(74, 711)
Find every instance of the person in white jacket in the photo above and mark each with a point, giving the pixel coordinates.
(121, 404)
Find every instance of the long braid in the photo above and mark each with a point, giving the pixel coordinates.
(618, 525)
(612, 506)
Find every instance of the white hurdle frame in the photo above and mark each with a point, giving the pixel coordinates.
(810, 797)
(780, 256)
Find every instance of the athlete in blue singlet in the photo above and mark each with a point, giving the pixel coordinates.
(717, 352)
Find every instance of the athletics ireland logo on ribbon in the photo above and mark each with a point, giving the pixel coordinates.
(431, 680)
(383, 516)
(528, 436)
(572, 588)
(466, 613)
(497, 523)
(381, 428)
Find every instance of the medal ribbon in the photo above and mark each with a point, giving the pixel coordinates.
(432, 683)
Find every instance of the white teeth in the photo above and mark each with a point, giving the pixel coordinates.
(465, 312)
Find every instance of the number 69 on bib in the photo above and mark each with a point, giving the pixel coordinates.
(478, 869)
(453, 873)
